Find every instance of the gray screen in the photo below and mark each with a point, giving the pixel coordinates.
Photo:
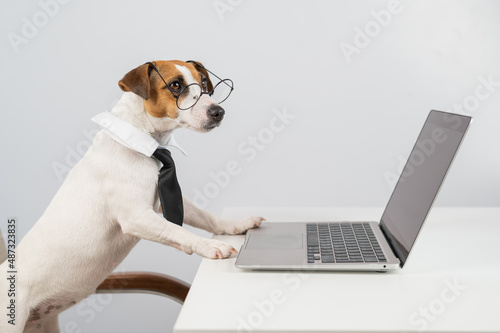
(421, 179)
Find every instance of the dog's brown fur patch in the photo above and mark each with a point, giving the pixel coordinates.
(145, 82)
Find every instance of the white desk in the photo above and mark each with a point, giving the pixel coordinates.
(451, 283)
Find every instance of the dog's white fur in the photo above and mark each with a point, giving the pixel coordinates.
(3, 249)
(107, 203)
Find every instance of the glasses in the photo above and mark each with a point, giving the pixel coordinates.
(191, 94)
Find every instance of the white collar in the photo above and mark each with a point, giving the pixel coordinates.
(130, 136)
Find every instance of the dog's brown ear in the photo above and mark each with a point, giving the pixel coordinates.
(137, 81)
(203, 71)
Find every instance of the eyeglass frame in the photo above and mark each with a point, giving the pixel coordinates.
(209, 93)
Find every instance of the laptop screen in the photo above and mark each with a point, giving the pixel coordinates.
(421, 178)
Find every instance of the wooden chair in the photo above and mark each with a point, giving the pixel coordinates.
(144, 282)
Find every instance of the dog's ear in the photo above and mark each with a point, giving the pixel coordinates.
(203, 71)
(137, 81)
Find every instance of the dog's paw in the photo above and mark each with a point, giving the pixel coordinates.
(241, 227)
(214, 249)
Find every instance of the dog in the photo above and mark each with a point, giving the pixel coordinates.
(109, 201)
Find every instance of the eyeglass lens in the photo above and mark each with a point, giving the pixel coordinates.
(190, 95)
(222, 91)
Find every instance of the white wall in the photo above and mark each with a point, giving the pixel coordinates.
(354, 117)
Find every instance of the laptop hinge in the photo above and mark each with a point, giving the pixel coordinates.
(388, 238)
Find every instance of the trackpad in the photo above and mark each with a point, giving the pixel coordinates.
(282, 241)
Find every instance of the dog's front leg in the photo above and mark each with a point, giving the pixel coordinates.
(200, 218)
(149, 225)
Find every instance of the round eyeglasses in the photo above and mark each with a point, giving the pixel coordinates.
(191, 94)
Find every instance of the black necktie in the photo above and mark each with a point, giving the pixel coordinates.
(168, 188)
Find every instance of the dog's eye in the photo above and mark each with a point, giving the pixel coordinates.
(204, 84)
(175, 85)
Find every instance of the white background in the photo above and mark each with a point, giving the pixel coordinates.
(354, 117)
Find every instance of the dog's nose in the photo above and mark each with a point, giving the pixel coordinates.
(215, 112)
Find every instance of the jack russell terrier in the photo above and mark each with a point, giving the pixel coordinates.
(109, 200)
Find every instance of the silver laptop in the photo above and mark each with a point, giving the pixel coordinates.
(375, 246)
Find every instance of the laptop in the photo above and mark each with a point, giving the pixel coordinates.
(366, 246)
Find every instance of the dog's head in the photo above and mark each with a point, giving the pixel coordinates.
(181, 91)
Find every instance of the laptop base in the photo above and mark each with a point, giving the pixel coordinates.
(283, 246)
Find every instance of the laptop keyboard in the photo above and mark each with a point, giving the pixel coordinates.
(342, 242)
